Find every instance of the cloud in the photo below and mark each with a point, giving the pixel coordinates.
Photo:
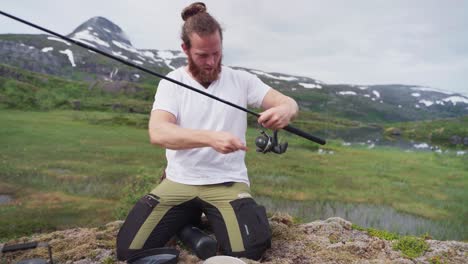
(364, 41)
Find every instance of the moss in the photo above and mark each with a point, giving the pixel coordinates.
(411, 247)
(108, 260)
(437, 260)
(383, 234)
(357, 227)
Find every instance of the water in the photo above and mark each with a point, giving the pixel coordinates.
(4, 198)
(367, 215)
(372, 137)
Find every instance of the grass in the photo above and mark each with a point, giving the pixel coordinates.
(437, 131)
(424, 184)
(411, 247)
(70, 168)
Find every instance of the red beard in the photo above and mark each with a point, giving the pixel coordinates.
(205, 77)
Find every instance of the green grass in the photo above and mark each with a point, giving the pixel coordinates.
(411, 247)
(436, 131)
(20, 89)
(103, 162)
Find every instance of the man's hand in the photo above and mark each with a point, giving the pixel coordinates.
(276, 117)
(279, 110)
(225, 142)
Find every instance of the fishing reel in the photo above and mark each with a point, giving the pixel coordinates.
(265, 143)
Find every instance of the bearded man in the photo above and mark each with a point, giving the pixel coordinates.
(205, 150)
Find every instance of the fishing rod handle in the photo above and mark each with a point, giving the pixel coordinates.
(303, 134)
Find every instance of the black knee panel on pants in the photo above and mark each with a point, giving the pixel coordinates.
(135, 219)
(254, 228)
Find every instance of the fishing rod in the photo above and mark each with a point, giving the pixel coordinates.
(288, 128)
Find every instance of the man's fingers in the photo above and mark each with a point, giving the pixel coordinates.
(264, 116)
(241, 147)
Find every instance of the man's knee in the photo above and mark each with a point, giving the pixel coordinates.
(135, 219)
(254, 228)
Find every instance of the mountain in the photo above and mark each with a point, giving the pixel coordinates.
(51, 55)
(375, 103)
(100, 29)
(371, 103)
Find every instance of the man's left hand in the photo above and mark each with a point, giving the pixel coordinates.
(276, 117)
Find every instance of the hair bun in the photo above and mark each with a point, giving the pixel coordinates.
(193, 9)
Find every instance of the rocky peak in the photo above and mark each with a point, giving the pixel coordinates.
(101, 31)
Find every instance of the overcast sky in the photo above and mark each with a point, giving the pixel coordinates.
(418, 42)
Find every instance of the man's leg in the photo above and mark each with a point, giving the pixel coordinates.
(156, 217)
(240, 225)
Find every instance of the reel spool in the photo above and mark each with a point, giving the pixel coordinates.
(266, 143)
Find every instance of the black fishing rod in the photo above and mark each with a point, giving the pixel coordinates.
(288, 128)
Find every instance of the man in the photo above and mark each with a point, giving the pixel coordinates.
(205, 149)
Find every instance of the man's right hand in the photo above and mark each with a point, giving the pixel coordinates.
(225, 142)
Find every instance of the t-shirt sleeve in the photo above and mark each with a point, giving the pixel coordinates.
(256, 91)
(166, 98)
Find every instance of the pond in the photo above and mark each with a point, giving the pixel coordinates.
(367, 215)
(372, 137)
(4, 198)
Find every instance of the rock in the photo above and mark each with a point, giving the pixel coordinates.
(324, 241)
(76, 104)
(394, 131)
(465, 141)
(455, 140)
(116, 106)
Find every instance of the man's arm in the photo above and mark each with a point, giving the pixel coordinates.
(164, 132)
(279, 110)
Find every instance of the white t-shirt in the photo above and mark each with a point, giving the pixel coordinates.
(200, 166)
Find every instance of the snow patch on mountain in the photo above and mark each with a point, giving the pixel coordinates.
(124, 46)
(59, 40)
(150, 55)
(377, 94)
(283, 78)
(119, 54)
(429, 89)
(311, 85)
(47, 49)
(416, 94)
(427, 103)
(85, 42)
(347, 93)
(69, 53)
(168, 56)
(86, 35)
(456, 99)
(114, 72)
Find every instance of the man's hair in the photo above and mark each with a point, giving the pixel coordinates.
(198, 20)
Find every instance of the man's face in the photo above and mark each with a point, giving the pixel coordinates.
(204, 57)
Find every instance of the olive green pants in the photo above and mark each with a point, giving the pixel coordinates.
(239, 224)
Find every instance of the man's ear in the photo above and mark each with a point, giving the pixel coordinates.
(185, 48)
